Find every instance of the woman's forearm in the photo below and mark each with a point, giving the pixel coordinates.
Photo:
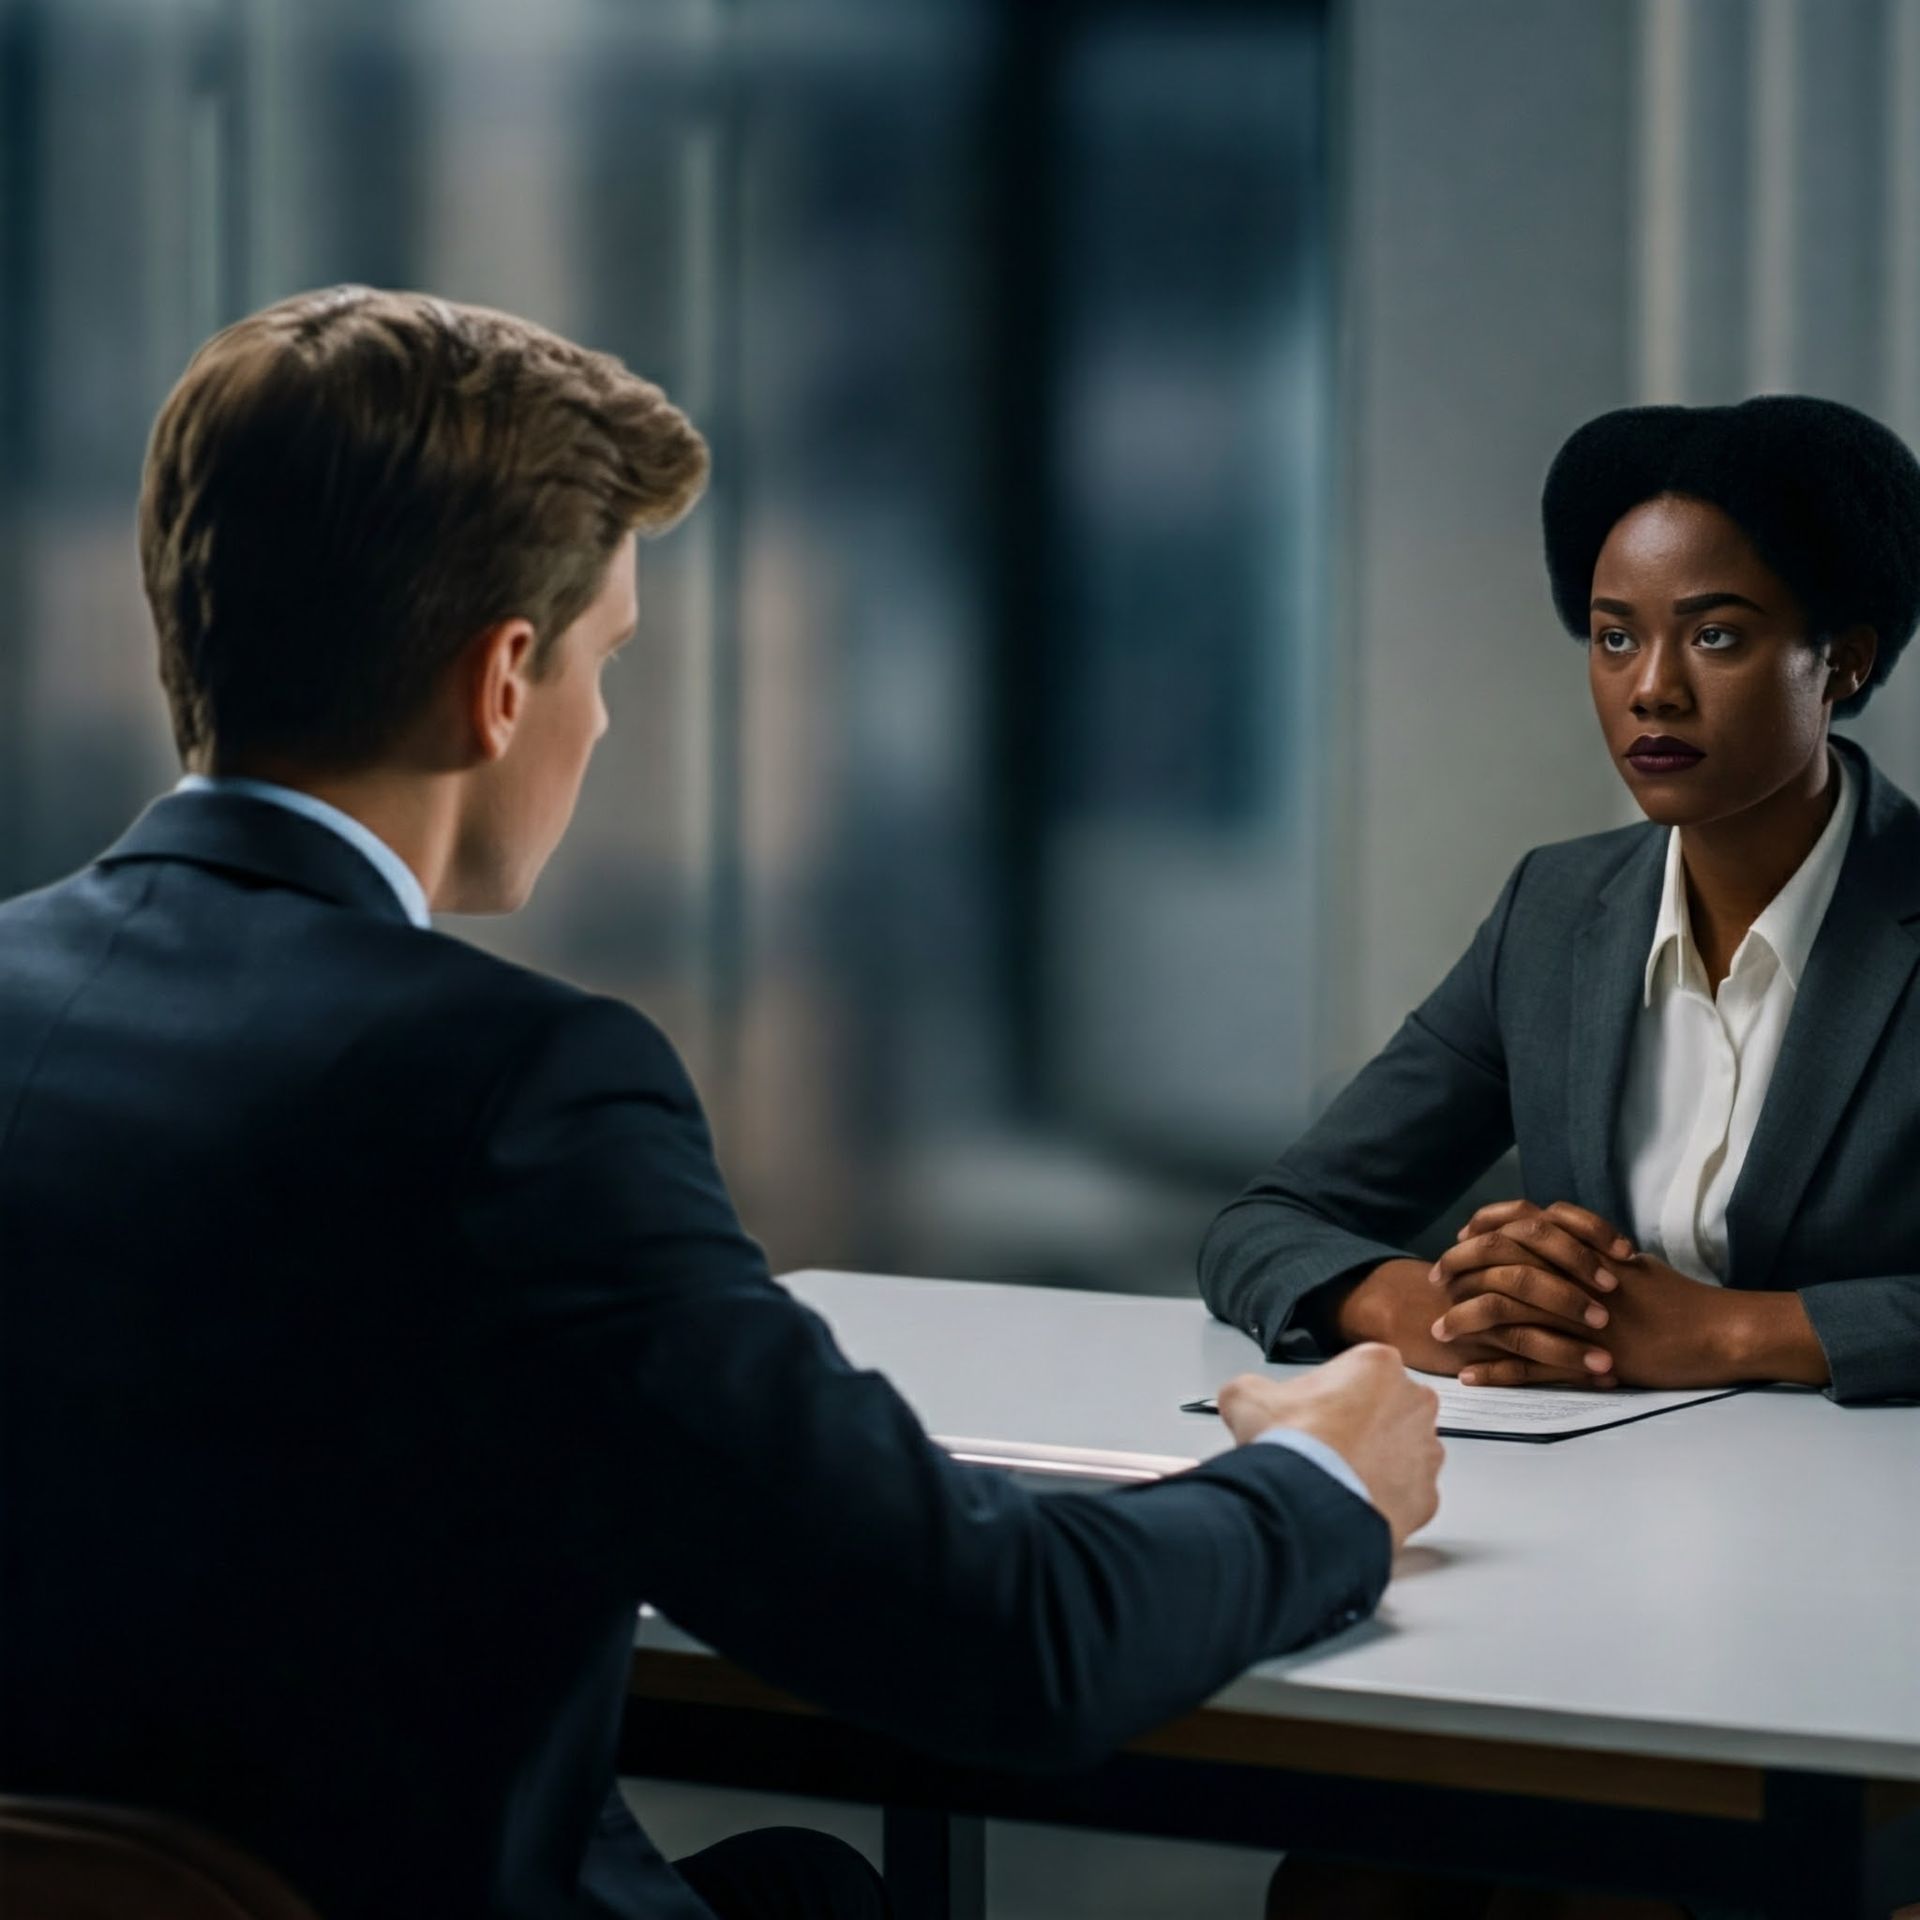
(1767, 1336)
(1394, 1303)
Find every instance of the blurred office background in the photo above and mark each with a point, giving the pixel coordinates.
(1113, 671)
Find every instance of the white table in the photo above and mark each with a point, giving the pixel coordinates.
(1695, 1639)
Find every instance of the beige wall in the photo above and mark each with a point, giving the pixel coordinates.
(1552, 207)
(1486, 220)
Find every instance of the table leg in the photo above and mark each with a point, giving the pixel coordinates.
(1814, 1840)
(935, 1864)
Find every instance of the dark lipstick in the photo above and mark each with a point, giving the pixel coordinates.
(1659, 753)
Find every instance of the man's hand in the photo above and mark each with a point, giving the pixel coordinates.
(1363, 1405)
(1662, 1328)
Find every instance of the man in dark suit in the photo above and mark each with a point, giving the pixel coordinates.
(378, 1331)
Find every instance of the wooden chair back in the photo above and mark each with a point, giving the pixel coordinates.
(75, 1860)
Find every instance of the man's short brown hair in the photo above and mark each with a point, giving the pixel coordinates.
(347, 486)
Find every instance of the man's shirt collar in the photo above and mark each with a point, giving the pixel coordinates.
(388, 864)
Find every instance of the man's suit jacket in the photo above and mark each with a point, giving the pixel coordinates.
(1526, 1043)
(376, 1333)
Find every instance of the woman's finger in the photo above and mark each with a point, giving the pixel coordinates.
(1532, 1242)
(1582, 1222)
(1511, 1371)
(1471, 1256)
(1601, 1235)
(1495, 1215)
(1548, 1244)
(1558, 1350)
(1512, 1295)
(1537, 1290)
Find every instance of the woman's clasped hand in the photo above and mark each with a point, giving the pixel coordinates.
(1556, 1295)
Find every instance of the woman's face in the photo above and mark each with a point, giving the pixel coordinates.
(1710, 697)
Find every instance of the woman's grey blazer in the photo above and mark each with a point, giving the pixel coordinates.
(1525, 1044)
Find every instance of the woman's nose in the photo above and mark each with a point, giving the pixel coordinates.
(1661, 684)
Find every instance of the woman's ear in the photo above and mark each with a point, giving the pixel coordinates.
(1850, 658)
(499, 672)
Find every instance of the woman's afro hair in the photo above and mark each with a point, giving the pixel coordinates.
(1829, 498)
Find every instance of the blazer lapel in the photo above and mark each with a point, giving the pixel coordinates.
(1607, 981)
(1861, 962)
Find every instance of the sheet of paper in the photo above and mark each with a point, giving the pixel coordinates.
(1549, 1413)
(1538, 1413)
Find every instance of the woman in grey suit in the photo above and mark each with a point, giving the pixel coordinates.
(1702, 1034)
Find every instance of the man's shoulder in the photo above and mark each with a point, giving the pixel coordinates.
(409, 1008)
(449, 993)
(438, 968)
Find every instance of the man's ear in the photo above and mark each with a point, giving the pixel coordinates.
(1850, 659)
(499, 670)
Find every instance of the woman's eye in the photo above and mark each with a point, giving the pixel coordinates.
(1614, 640)
(1716, 639)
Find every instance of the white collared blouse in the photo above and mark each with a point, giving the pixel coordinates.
(1701, 1061)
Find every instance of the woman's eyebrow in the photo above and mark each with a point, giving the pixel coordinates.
(1700, 602)
(1693, 603)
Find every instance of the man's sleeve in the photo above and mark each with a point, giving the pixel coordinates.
(1419, 1124)
(789, 1510)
